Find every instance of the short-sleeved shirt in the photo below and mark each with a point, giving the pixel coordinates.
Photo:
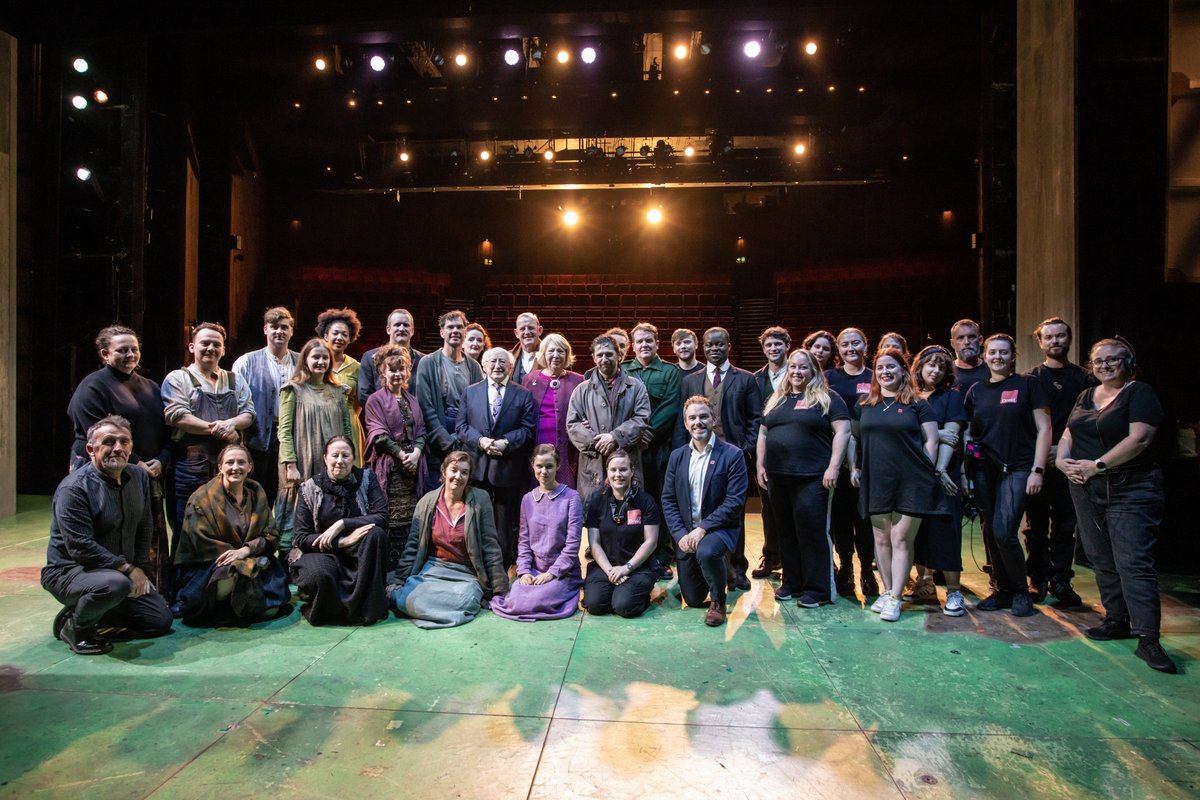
(897, 474)
(1095, 432)
(1062, 387)
(848, 387)
(799, 437)
(621, 540)
(969, 377)
(1002, 419)
(947, 406)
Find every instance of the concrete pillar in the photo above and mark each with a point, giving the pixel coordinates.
(8, 275)
(1047, 282)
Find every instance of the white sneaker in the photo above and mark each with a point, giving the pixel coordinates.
(955, 606)
(880, 601)
(891, 610)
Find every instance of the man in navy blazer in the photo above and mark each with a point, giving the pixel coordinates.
(704, 504)
(497, 423)
(737, 403)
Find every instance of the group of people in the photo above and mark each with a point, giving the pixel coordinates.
(437, 485)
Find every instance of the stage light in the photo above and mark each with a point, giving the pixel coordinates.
(799, 149)
(80, 65)
(689, 151)
(295, 105)
(461, 59)
(100, 96)
(862, 89)
(614, 94)
(321, 64)
(528, 151)
(681, 51)
(588, 54)
(752, 49)
(352, 103)
(811, 48)
(654, 216)
(328, 168)
(832, 88)
(378, 102)
(512, 57)
(484, 155)
(570, 218)
(548, 155)
(563, 56)
(79, 101)
(904, 158)
(404, 156)
(705, 49)
(645, 151)
(620, 151)
(83, 173)
(377, 63)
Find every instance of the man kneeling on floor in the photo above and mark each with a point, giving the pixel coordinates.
(704, 502)
(100, 536)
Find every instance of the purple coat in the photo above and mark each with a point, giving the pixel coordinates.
(383, 418)
(568, 456)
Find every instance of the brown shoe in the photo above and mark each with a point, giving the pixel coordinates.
(715, 615)
(764, 569)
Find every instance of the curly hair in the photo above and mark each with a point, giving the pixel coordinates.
(331, 315)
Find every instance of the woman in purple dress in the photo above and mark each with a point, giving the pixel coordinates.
(552, 386)
(548, 572)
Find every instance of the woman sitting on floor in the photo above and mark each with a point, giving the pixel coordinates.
(339, 556)
(452, 562)
(547, 549)
(228, 573)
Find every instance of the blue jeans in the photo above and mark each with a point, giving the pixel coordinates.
(1118, 516)
(1002, 500)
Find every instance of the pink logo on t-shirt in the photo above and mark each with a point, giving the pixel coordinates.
(634, 516)
(1009, 396)
(864, 388)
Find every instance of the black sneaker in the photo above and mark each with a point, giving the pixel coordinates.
(1066, 596)
(809, 600)
(1150, 651)
(783, 594)
(1037, 589)
(1022, 604)
(869, 587)
(1108, 630)
(995, 602)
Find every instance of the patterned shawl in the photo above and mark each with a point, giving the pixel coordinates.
(208, 532)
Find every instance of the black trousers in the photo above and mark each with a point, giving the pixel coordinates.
(101, 598)
(506, 503)
(702, 573)
(770, 549)
(1050, 535)
(851, 533)
(630, 599)
(801, 512)
(266, 470)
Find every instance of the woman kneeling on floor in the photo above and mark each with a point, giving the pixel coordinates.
(227, 572)
(452, 562)
(547, 549)
(339, 556)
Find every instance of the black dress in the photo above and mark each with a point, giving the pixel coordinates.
(897, 474)
(341, 586)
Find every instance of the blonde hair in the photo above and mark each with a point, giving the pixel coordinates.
(816, 391)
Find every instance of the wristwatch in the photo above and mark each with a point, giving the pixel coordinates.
(1039, 470)
(1101, 466)
(629, 566)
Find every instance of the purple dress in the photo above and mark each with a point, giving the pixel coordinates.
(552, 417)
(551, 526)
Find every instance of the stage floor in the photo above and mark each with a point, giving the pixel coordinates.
(783, 702)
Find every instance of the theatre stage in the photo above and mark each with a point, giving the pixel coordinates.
(783, 702)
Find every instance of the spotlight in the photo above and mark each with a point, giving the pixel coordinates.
(752, 49)
(461, 59)
(79, 101)
(528, 151)
(705, 48)
(352, 103)
(548, 155)
(100, 96)
(654, 216)
(512, 57)
(377, 63)
(811, 48)
(689, 151)
(404, 156)
(645, 151)
(799, 149)
(832, 88)
(862, 89)
(484, 155)
(588, 54)
(321, 64)
(80, 65)
(681, 51)
(570, 218)
(563, 56)
(83, 173)
(620, 151)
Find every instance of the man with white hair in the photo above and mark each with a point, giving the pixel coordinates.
(529, 338)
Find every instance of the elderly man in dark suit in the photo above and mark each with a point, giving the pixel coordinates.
(737, 405)
(498, 423)
(704, 504)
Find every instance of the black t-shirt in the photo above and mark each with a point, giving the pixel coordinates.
(1002, 419)
(699, 366)
(848, 387)
(894, 422)
(621, 541)
(1094, 433)
(800, 440)
(1062, 387)
(969, 377)
(947, 407)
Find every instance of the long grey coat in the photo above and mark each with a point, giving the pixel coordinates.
(589, 415)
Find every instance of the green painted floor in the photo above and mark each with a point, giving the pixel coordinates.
(783, 702)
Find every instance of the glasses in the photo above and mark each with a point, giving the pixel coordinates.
(1114, 361)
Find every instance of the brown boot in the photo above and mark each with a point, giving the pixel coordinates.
(715, 615)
